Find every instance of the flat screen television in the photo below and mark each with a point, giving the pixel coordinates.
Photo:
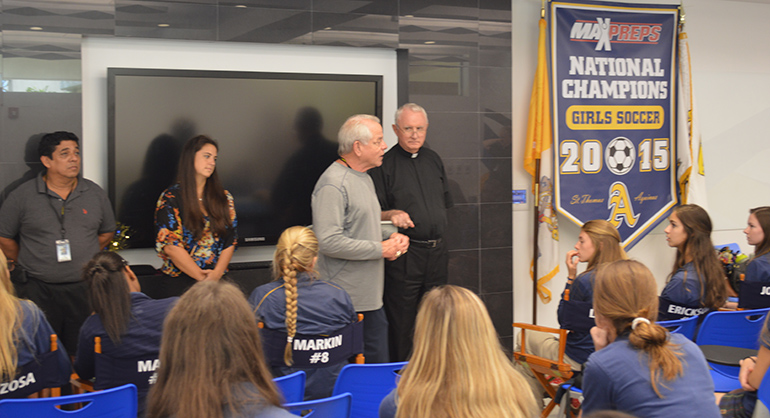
(276, 134)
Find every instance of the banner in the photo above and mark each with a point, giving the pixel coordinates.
(690, 170)
(614, 78)
(538, 151)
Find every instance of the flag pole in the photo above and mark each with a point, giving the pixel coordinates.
(536, 237)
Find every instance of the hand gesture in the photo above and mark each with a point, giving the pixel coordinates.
(572, 262)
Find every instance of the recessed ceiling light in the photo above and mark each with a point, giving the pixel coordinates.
(35, 28)
(430, 42)
(328, 28)
(242, 6)
(163, 25)
(408, 15)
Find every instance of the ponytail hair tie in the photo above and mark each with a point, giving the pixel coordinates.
(637, 321)
(289, 339)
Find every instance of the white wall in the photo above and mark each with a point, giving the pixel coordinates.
(100, 53)
(731, 78)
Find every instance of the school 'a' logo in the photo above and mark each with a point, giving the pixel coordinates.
(621, 208)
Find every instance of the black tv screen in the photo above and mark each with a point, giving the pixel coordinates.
(276, 135)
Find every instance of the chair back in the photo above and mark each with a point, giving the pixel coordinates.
(577, 315)
(119, 402)
(291, 386)
(314, 351)
(41, 373)
(139, 371)
(338, 406)
(668, 310)
(732, 328)
(685, 326)
(369, 384)
(754, 295)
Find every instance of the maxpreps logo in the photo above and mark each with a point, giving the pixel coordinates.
(605, 33)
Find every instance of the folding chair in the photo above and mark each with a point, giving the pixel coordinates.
(110, 372)
(291, 386)
(754, 295)
(685, 326)
(669, 311)
(40, 374)
(334, 407)
(313, 351)
(369, 384)
(118, 402)
(578, 316)
(727, 336)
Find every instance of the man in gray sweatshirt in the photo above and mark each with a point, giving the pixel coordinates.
(346, 220)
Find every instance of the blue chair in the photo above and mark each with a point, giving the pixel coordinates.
(291, 386)
(119, 402)
(369, 384)
(685, 326)
(334, 407)
(739, 329)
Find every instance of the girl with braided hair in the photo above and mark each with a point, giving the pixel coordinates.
(638, 367)
(697, 283)
(128, 322)
(298, 302)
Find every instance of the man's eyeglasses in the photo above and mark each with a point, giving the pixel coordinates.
(412, 129)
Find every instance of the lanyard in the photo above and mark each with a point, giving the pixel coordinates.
(59, 213)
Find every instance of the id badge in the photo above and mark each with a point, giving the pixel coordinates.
(63, 253)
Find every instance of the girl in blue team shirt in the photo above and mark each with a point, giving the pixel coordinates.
(758, 269)
(697, 283)
(638, 367)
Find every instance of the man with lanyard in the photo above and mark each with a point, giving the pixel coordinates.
(413, 191)
(346, 220)
(60, 220)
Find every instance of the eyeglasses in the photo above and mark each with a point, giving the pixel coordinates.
(412, 129)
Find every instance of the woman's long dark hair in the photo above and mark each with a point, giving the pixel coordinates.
(214, 199)
(108, 292)
(762, 214)
(697, 224)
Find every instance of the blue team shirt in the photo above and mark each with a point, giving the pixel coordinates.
(618, 378)
(758, 269)
(322, 308)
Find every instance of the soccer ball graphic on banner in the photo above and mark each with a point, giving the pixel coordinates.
(620, 155)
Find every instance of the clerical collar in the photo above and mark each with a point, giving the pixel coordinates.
(414, 155)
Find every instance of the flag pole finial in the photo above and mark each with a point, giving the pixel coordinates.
(542, 9)
(681, 14)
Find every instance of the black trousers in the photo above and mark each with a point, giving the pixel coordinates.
(407, 279)
(65, 306)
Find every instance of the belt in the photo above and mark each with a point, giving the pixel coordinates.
(431, 243)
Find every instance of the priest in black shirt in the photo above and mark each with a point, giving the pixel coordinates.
(413, 190)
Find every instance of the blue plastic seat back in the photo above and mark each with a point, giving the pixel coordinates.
(732, 329)
(338, 406)
(41, 373)
(291, 386)
(119, 402)
(686, 326)
(369, 384)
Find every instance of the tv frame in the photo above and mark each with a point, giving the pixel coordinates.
(114, 72)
